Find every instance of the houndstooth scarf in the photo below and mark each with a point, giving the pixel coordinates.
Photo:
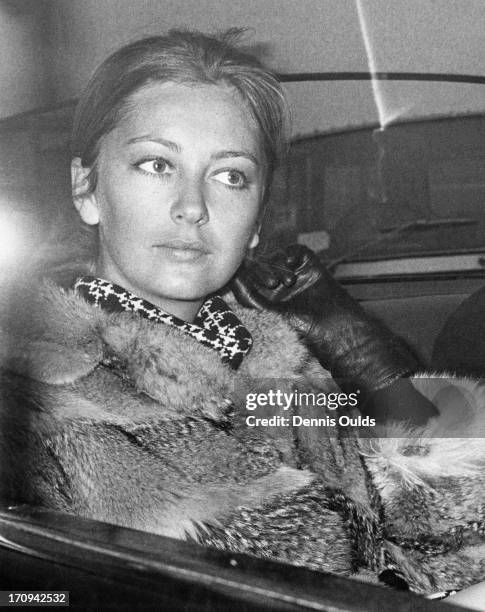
(215, 325)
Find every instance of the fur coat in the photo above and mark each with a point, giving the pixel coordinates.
(115, 418)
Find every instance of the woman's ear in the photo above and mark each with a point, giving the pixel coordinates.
(84, 199)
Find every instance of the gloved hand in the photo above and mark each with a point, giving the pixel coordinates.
(347, 341)
(357, 349)
(287, 283)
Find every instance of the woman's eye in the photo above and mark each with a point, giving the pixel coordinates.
(155, 166)
(231, 178)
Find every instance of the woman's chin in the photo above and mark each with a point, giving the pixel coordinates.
(186, 292)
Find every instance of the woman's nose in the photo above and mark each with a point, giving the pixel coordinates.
(190, 205)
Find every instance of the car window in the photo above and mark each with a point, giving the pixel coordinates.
(96, 566)
(390, 184)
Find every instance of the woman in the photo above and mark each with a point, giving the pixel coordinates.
(125, 396)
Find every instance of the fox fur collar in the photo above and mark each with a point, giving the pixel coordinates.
(119, 419)
(114, 418)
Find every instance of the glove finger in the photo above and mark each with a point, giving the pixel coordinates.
(270, 274)
(297, 255)
(289, 279)
(245, 294)
(265, 277)
(305, 270)
(284, 275)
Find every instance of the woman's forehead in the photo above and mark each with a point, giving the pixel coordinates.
(168, 105)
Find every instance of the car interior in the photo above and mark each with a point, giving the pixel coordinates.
(413, 304)
(393, 208)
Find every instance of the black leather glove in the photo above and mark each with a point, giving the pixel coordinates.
(357, 349)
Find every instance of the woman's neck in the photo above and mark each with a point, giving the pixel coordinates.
(182, 309)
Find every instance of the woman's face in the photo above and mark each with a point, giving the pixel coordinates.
(180, 182)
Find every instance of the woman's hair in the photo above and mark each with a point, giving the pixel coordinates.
(180, 57)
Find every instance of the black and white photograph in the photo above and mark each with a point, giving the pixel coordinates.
(242, 297)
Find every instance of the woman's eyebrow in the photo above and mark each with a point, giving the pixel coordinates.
(242, 153)
(173, 146)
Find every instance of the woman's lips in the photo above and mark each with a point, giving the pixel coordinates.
(183, 251)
